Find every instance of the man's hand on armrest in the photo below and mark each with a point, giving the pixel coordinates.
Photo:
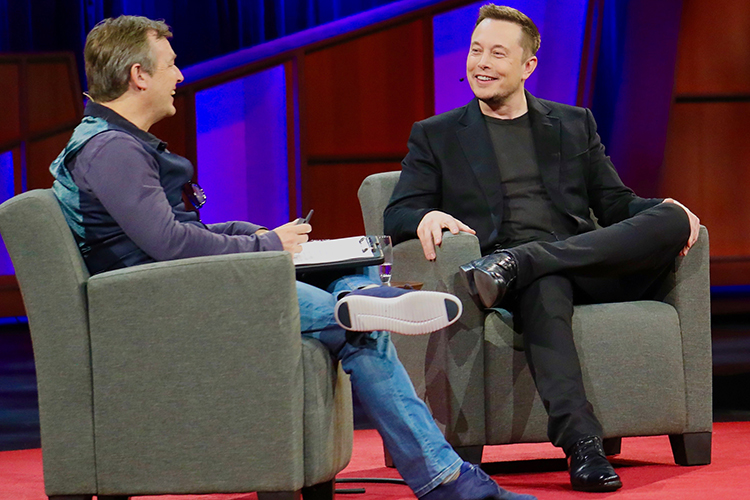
(695, 225)
(430, 230)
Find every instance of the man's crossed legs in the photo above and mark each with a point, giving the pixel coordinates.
(541, 281)
(428, 464)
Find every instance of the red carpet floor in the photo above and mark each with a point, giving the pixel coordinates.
(645, 465)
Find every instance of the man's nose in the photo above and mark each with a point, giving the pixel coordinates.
(180, 78)
(484, 60)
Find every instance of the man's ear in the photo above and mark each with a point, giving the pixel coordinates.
(137, 79)
(529, 66)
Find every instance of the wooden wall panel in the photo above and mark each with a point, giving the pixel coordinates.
(730, 271)
(40, 154)
(10, 124)
(708, 168)
(713, 56)
(707, 162)
(11, 303)
(40, 104)
(51, 99)
(333, 195)
(362, 96)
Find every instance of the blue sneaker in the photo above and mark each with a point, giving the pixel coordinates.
(473, 484)
(408, 312)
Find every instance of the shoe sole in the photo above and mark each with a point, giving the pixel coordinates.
(408, 314)
(598, 488)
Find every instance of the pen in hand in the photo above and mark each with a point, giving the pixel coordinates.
(306, 220)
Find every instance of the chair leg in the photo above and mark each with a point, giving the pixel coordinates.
(471, 454)
(692, 448)
(279, 495)
(320, 491)
(612, 446)
(388, 458)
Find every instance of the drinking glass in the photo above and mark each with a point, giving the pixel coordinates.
(385, 268)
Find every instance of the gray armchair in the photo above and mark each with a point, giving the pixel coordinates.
(187, 376)
(646, 364)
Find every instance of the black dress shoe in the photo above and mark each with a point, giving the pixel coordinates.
(589, 468)
(490, 277)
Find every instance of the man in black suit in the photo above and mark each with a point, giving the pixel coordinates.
(523, 175)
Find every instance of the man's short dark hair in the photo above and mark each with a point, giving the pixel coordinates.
(530, 39)
(112, 47)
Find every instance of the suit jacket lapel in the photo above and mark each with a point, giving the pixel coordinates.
(477, 147)
(545, 130)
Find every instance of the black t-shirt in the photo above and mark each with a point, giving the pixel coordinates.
(528, 212)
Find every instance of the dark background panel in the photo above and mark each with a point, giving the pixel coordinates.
(714, 43)
(332, 193)
(40, 154)
(51, 98)
(174, 130)
(707, 160)
(204, 29)
(11, 303)
(731, 272)
(706, 168)
(10, 124)
(633, 86)
(363, 96)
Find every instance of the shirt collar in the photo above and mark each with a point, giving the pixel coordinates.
(98, 111)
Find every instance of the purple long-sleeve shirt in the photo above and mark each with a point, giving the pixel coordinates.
(130, 202)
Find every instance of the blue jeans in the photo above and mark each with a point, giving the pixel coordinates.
(419, 450)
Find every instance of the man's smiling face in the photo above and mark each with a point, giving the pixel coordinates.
(166, 75)
(497, 66)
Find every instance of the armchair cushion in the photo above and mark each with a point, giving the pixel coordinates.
(625, 348)
(191, 352)
(185, 376)
(647, 364)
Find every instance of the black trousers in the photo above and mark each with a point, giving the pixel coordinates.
(622, 262)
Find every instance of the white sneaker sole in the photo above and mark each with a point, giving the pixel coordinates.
(415, 313)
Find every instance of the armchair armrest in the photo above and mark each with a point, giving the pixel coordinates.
(409, 263)
(216, 341)
(689, 292)
(442, 274)
(446, 367)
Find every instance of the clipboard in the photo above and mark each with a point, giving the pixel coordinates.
(322, 274)
(369, 246)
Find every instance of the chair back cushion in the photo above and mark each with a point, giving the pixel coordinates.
(52, 277)
(374, 195)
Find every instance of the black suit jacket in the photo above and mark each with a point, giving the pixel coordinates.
(451, 166)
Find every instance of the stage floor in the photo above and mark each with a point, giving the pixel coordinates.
(645, 465)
